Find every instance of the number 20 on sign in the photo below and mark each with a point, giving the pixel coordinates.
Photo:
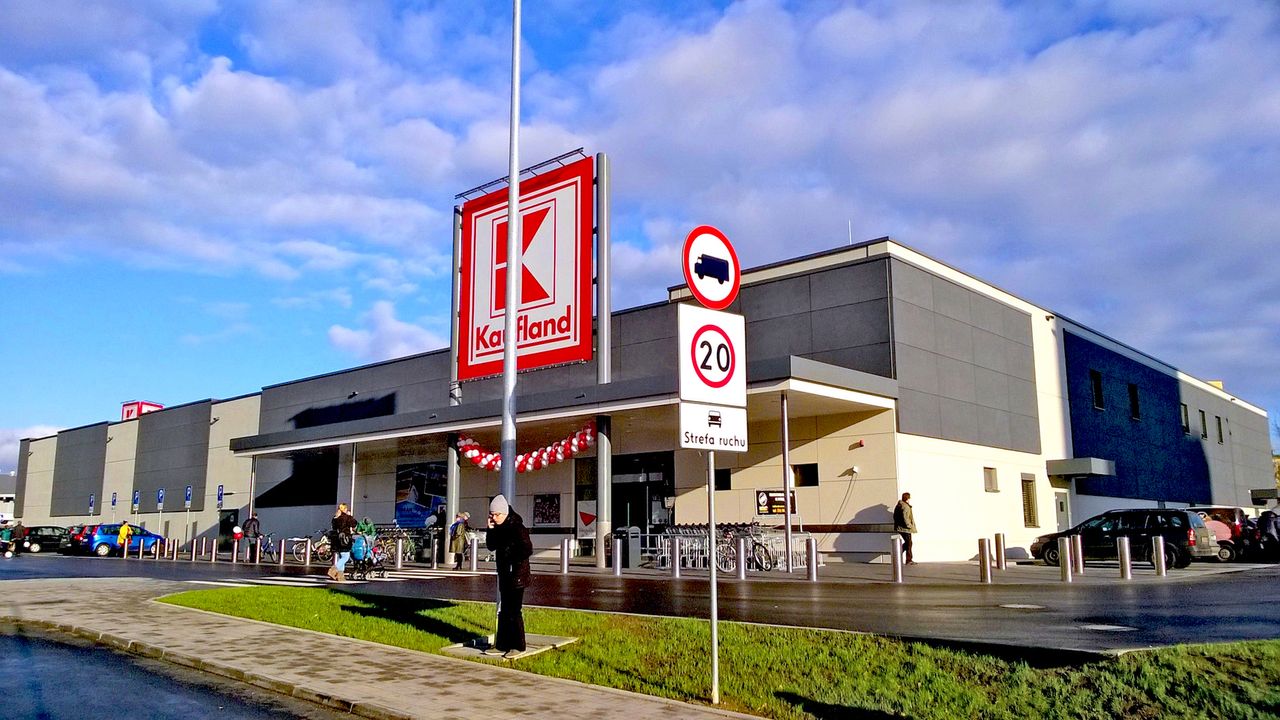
(712, 357)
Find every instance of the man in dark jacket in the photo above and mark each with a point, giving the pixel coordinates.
(508, 538)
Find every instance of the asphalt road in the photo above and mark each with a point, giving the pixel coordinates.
(1086, 618)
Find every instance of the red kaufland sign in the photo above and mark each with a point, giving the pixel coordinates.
(553, 324)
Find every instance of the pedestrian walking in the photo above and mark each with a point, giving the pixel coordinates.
(123, 537)
(340, 537)
(508, 538)
(458, 537)
(904, 523)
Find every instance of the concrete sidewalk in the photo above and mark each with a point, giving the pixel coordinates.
(366, 679)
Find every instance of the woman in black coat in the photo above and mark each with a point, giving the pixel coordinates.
(508, 538)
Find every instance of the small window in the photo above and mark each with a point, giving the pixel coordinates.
(723, 479)
(1135, 409)
(1204, 426)
(805, 475)
(1186, 420)
(1095, 381)
(990, 484)
(1029, 517)
(1218, 419)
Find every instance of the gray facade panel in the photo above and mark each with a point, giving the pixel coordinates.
(849, 285)
(779, 337)
(865, 323)
(917, 369)
(647, 324)
(173, 452)
(919, 413)
(79, 464)
(990, 351)
(959, 420)
(913, 325)
(952, 300)
(788, 296)
(874, 359)
(20, 488)
(954, 338)
(649, 358)
(913, 285)
(991, 388)
(956, 380)
(982, 376)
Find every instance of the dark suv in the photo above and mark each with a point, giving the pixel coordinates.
(1185, 536)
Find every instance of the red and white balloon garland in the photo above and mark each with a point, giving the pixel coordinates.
(530, 461)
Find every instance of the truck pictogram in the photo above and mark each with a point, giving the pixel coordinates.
(712, 266)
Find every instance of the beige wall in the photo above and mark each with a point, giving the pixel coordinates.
(122, 449)
(235, 418)
(39, 490)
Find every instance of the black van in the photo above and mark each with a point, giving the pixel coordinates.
(1185, 536)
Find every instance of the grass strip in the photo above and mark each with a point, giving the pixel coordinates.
(796, 672)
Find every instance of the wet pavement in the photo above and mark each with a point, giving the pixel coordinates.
(60, 678)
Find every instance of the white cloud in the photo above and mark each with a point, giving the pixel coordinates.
(384, 336)
(316, 300)
(9, 439)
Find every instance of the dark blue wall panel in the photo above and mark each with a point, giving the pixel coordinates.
(1154, 459)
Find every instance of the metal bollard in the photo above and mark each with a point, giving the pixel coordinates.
(617, 557)
(1157, 555)
(213, 550)
(1126, 560)
(280, 554)
(742, 558)
(399, 553)
(173, 549)
(1002, 560)
(155, 551)
(306, 555)
(984, 562)
(202, 547)
(1077, 554)
(675, 556)
(896, 541)
(257, 551)
(235, 551)
(813, 559)
(435, 559)
(475, 553)
(564, 556)
(1064, 558)
(193, 550)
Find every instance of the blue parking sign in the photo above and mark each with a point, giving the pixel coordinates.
(137, 499)
(91, 499)
(160, 499)
(187, 500)
(113, 500)
(219, 497)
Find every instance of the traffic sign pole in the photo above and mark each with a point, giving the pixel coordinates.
(715, 611)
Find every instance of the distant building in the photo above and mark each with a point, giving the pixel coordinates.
(901, 374)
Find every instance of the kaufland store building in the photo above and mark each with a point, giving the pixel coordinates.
(898, 372)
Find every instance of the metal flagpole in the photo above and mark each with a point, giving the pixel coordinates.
(507, 475)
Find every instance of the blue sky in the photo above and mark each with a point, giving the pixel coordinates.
(201, 198)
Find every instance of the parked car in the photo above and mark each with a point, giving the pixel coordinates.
(104, 539)
(73, 544)
(1243, 540)
(43, 538)
(1185, 536)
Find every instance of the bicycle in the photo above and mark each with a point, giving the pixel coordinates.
(268, 547)
(321, 551)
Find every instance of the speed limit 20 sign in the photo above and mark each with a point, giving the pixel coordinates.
(713, 366)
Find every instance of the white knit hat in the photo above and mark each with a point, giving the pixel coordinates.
(499, 505)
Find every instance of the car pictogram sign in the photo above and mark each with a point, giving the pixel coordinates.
(711, 267)
(553, 324)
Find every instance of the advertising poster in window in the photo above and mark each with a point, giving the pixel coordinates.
(419, 491)
(546, 510)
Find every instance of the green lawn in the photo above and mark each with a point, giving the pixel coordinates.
(797, 673)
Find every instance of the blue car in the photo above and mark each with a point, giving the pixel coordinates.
(105, 540)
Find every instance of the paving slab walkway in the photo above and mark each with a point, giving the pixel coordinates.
(389, 683)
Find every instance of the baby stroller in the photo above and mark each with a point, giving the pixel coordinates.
(366, 559)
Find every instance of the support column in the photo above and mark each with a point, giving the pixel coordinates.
(453, 472)
(787, 481)
(352, 504)
(604, 485)
(253, 481)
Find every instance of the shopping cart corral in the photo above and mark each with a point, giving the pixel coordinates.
(765, 547)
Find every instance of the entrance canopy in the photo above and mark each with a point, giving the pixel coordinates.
(646, 404)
